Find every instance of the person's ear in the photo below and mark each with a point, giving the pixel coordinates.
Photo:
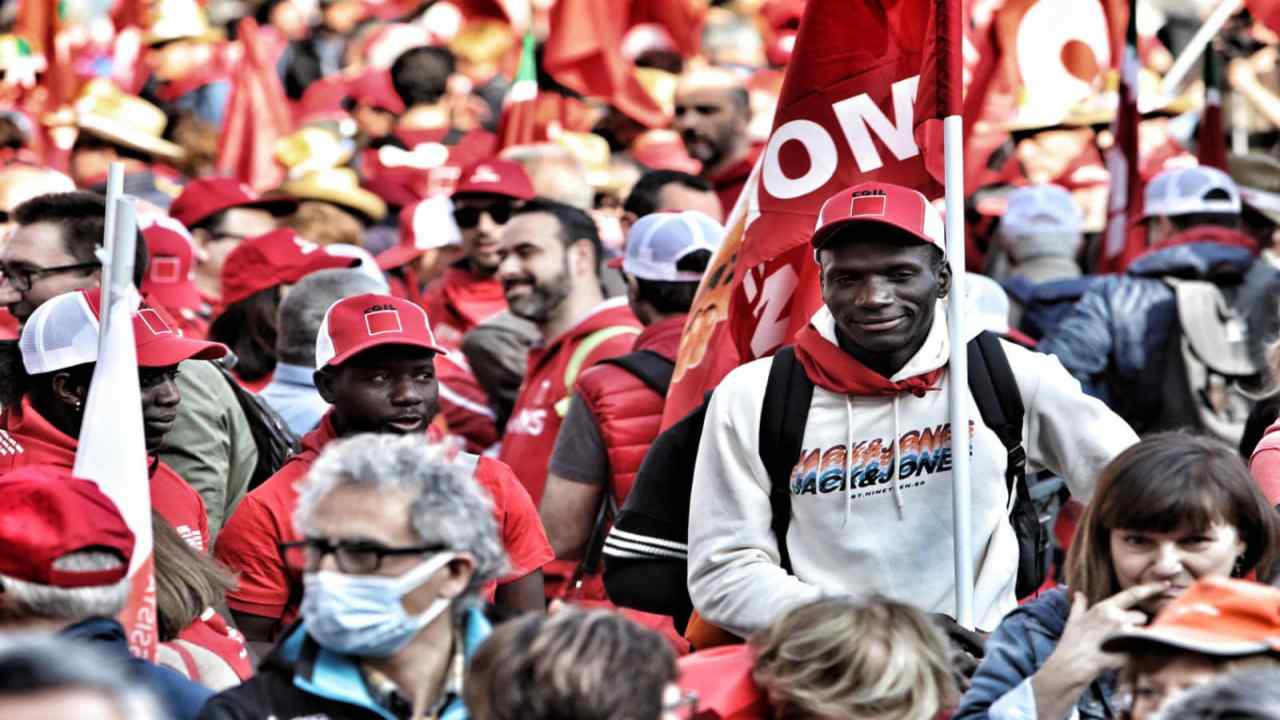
(460, 571)
(69, 391)
(944, 279)
(323, 379)
(633, 288)
(582, 259)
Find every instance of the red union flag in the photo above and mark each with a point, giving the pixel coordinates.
(846, 114)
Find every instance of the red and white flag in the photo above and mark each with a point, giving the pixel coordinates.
(257, 114)
(1211, 138)
(519, 124)
(846, 114)
(1124, 239)
(112, 452)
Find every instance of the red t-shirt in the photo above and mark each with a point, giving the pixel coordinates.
(248, 544)
(26, 438)
(212, 632)
(535, 418)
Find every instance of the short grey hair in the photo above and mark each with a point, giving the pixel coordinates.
(24, 600)
(302, 310)
(555, 173)
(31, 664)
(448, 508)
(1244, 695)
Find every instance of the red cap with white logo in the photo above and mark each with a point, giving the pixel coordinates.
(495, 177)
(355, 324)
(883, 204)
(170, 278)
(63, 333)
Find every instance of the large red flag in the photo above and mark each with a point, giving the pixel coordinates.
(583, 53)
(1123, 239)
(845, 114)
(683, 19)
(257, 114)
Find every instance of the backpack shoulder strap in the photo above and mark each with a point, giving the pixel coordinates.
(580, 355)
(995, 393)
(652, 369)
(782, 421)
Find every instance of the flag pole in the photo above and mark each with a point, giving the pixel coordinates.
(115, 190)
(958, 379)
(1178, 72)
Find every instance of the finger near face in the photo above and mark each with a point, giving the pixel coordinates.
(1177, 558)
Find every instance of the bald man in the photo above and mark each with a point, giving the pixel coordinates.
(712, 114)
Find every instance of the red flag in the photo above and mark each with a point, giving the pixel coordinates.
(257, 114)
(39, 22)
(519, 110)
(845, 115)
(583, 53)
(1123, 238)
(683, 19)
(1211, 138)
(941, 90)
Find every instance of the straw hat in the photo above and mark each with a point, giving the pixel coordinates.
(313, 148)
(338, 186)
(170, 20)
(106, 112)
(593, 152)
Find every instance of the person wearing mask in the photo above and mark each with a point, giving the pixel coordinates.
(614, 414)
(64, 560)
(1170, 510)
(396, 543)
(877, 435)
(375, 364)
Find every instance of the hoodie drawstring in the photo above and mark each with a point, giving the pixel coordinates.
(897, 457)
(848, 456)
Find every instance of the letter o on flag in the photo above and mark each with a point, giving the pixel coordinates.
(818, 145)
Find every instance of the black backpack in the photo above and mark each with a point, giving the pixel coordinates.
(276, 443)
(646, 553)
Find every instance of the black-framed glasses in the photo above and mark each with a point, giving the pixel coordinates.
(355, 557)
(22, 277)
(469, 216)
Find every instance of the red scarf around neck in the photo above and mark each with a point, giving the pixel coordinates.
(831, 368)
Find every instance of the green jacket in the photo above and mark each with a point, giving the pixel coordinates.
(210, 445)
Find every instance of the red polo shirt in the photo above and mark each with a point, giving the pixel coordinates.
(26, 438)
(248, 543)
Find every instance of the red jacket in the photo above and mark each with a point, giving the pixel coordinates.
(729, 182)
(608, 331)
(464, 404)
(626, 410)
(459, 300)
(264, 519)
(26, 438)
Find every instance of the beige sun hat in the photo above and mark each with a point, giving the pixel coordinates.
(339, 186)
(106, 112)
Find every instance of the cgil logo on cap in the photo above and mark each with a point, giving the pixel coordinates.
(154, 321)
(381, 319)
(166, 269)
(868, 202)
(484, 174)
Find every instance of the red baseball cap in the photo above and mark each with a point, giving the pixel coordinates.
(1215, 616)
(279, 257)
(424, 225)
(45, 514)
(373, 87)
(203, 197)
(495, 176)
(881, 204)
(63, 333)
(169, 277)
(355, 324)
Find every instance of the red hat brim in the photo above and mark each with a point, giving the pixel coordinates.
(373, 342)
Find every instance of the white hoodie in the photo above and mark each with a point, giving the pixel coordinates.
(892, 533)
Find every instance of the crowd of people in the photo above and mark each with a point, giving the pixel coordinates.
(404, 348)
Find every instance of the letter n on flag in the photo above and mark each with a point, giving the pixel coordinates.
(112, 452)
(847, 113)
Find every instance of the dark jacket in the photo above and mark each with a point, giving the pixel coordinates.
(180, 697)
(1114, 341)
(301, 679)
(1018, 648)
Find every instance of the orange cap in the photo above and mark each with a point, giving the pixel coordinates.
(1215, 616)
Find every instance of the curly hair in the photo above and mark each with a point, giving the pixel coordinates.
(573, 665)
(847, 657)
(448, 508)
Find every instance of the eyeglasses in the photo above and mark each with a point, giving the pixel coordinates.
(354, 558)
(469, 217)
(22, 277)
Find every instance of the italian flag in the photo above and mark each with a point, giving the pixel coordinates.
(519, 111)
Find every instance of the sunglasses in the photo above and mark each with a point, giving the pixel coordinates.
(469, 217)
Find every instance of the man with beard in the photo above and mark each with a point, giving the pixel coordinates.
(376, 365)
(551, 272)
(712, 114)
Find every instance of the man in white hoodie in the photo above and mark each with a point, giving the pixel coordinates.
(871, 492)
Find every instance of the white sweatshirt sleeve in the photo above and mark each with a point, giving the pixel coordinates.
(1068, 432)
(735, 579)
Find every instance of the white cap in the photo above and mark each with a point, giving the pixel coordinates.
(987, 303)
(1040, 210)
(658, 242)
(61, 333)
(1182, 191)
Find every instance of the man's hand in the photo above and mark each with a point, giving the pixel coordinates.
(966, 647)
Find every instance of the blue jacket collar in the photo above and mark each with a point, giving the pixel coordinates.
(294, 375)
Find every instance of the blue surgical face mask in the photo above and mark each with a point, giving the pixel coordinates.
(362, 614)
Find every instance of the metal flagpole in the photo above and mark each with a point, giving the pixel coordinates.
(1197, 44)
(115, 190)
(958, 377)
